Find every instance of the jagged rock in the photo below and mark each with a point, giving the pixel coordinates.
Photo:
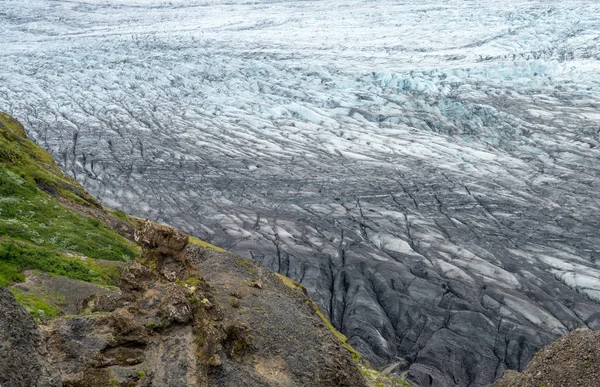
(24, 357)
(166, 239)
(162, 248)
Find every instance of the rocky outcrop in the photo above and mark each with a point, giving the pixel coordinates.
(170, 326)
(571, 361)
(165, 239)
(24, 360)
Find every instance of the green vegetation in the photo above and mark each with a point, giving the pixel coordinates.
(243, 262)
(378, 379)
(121, 215)
(141, 374)
(198, 242)
(587, 364)
(290, 282)
(37, 222)
(190, 282)
(28, 214)
(35, 304)
(340, 336)
(36, 164)
(15, 257)
(246, 262)
(150, 324)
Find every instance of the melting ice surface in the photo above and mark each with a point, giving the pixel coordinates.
(429, 170)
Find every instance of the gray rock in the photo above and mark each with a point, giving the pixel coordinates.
(24, 355)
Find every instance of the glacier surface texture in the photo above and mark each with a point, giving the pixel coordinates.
(428, 169)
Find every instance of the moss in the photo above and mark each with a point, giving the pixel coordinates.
(190, 282)
(374, 377)
(340, 336)
(150, 263)
(193, 281)
(377, 379)
(243, 262)
(141, 374)
(35, 304)
(587, 364)
(290, 283)
(198, 242)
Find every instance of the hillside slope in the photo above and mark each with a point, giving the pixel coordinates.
(49, 223)
(177, 311)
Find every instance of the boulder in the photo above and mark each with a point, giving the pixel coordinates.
(151, 235)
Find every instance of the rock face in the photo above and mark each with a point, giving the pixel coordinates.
(571, 361)
(170, 327)
(24, 360)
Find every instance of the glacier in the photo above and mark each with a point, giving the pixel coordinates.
(429, 170)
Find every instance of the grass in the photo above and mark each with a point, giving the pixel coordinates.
(31, 160)
(31, 185)
(15, 257)
(121, 215)
(35, 304)
(31, 215)
(35, 227)
(38, 230)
